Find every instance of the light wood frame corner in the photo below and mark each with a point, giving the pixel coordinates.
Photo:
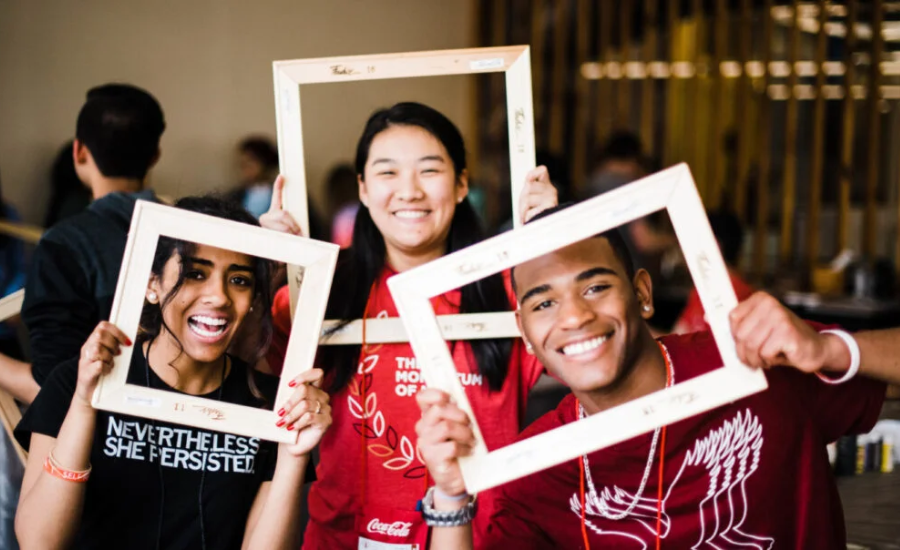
(151, 221)
(673, 190)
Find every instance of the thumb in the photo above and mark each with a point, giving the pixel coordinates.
(277, 190)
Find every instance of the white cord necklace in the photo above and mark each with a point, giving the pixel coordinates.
(602, 506)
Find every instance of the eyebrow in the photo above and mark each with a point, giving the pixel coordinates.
(233, 267)
(437, 158)
(535, 291)
(432, 157)
(594, 272)
(581, 277)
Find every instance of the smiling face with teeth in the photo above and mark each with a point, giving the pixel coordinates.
(202, 315)
(585, 318)
(411, 189)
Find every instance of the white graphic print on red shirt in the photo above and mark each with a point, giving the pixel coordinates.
(729, 455)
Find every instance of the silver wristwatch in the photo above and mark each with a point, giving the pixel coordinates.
(440, 518)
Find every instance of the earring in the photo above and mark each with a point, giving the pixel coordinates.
(529, 348)
(646, 308)
(151, 296)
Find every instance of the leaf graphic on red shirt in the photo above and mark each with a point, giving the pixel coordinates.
(370, 433)
(406, 448)
(371, 405)
(355, 408)
(415, 473)
(367, 364)
(378, 423)
(392, 437)
(380, 450)
(398, 463)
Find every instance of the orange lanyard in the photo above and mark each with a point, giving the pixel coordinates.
(662, 454)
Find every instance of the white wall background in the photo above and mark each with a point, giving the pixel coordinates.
(209, 64)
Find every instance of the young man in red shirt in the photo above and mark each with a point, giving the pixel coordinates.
(752, 474)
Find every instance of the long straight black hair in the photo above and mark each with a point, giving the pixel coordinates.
(361, 265)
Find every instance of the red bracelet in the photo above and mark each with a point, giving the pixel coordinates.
(53, 468)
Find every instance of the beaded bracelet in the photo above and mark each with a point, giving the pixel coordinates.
(52, 467)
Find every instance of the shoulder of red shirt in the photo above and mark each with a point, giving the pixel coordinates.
(692, 355)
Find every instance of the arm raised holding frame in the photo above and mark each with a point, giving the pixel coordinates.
(582, 311)
(191, 293)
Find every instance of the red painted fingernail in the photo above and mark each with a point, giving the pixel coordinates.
(280, 412)
(291, 427)
(128, 341)
(292, 383)
(280, 423)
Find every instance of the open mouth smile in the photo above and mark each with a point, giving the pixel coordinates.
(583, 347)
(207, 327)
(411, 214)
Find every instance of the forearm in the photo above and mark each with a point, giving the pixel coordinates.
(278, 522)
(50, 508)
(879, 352)
(450, 538)
(16, 379)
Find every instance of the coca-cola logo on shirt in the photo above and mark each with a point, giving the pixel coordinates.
(396, 529)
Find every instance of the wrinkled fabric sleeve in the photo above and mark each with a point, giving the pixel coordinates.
(59, 309)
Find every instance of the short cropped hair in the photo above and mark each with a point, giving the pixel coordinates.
(121, 126)
(613, 237)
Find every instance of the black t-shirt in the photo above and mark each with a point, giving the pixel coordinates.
(73, 277)
(150, 477)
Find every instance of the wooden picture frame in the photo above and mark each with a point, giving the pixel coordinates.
(10, 415)
(672, 189)
(151, 221)
(11, 305)
(514, 61)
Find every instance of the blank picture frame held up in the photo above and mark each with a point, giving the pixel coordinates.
(151, 221)
(290, 75)
(673, 190)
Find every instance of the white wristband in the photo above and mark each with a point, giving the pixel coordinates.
(445, 496)
(853, 347)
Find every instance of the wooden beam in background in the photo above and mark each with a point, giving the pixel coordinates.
(818, 149)
(582, 98)
(788, 190)
(623, 104)
(558, 86)
(764, 146)
(718, 120)
(648, 86)
(672, 89)
(849, 131)
(870, 219)
(605, 113)
(744, 109)
(539, 69)
(695, 96)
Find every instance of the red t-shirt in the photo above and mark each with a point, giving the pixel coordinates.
(693, 317)
(395, 474)
(752, 474)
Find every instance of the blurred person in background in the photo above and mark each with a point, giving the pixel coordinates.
(75, 266)
(621, 161)
(12, 277)
(69, 195)
(730, 236)
(342, 192)
(257, 160)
